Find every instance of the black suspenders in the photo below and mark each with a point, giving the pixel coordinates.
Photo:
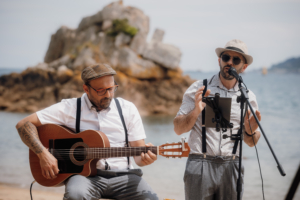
(78, 111)
(203, 122)
(124, 125)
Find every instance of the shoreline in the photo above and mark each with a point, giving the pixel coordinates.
(14, 192)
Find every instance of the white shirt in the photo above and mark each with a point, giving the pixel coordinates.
(107, 121)
(215, 144)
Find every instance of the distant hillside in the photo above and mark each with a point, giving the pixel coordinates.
(291, 65)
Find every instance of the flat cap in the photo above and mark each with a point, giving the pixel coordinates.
(96, 71)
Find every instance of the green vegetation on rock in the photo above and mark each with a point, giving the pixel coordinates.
(121, 25)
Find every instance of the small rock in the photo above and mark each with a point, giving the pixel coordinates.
(158, 35)
(122, 39)
(138, 43)
(164, 54)
(61, 61)
(133, 66)
(84, 59)
(64, 74)
(106, 25)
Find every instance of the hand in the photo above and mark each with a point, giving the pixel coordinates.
(199, 105)
(48, 164)
(253, 122)
(149, 157)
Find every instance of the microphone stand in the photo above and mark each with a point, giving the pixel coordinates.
(239, 136)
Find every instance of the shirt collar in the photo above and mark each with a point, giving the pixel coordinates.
(216, 82)
(91, 106)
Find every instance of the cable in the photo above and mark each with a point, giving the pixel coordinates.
(262, 181)
(31, 188)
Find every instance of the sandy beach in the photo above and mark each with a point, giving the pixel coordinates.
(12, 192)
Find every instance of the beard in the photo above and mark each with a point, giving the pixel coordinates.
(104, 103)
(225, 74)
(100, 104)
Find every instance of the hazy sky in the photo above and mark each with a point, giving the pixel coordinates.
(270, 28)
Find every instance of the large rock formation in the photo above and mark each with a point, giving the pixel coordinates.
(148, 72)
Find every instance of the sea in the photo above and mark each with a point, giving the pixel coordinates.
(278, 97)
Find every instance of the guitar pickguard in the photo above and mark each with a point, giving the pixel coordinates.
(60, 152)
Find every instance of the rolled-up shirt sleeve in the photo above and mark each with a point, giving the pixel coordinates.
(55, 114)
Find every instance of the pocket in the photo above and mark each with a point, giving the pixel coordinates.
(193, 169)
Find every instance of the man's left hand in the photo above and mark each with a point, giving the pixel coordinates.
(149, 157)
(253, 122)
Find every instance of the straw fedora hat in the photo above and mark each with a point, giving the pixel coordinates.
(236, 46)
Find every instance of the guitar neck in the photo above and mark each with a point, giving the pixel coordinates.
(110, 152)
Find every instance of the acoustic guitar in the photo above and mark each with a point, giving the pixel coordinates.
(79, 153)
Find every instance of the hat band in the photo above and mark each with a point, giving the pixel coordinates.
(234, 48)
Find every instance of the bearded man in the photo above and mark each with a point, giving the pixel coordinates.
(99, 110)
(212, 167)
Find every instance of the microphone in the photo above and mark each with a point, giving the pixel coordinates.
(232, 72)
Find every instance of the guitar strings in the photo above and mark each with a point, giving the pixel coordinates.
(84, 152)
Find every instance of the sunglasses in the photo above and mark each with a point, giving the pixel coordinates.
(103, 91)
(235, 60)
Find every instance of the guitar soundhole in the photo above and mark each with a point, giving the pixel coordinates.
(65, 165)
(79, 154)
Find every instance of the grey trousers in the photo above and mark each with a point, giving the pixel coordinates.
(109, 184)
(211, 178)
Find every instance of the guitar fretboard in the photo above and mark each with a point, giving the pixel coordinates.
(110, 152)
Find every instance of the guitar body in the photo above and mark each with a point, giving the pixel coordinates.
(79, 153)
(57, 137)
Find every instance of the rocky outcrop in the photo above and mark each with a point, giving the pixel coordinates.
(148, 73)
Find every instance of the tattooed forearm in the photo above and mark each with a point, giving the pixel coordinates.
(30, 137)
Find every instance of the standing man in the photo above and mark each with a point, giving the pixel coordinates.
(115, 176)
(211, 172)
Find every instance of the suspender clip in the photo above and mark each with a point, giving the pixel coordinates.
(204, 155)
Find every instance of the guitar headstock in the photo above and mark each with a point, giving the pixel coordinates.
(175, 150)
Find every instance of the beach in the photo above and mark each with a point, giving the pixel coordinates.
(13, 192)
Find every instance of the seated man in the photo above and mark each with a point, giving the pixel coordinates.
(116, 177)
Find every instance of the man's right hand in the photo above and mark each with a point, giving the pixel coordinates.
(199, 104)
(48, 164)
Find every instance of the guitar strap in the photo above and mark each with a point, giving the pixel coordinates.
(78, 113)
(203, 122)
(124, 125)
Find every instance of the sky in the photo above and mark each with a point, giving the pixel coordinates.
(270, 28)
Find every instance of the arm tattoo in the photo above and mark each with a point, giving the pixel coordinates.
(30, 137)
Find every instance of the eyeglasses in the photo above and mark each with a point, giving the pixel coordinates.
(103, 91)
(236, 60)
